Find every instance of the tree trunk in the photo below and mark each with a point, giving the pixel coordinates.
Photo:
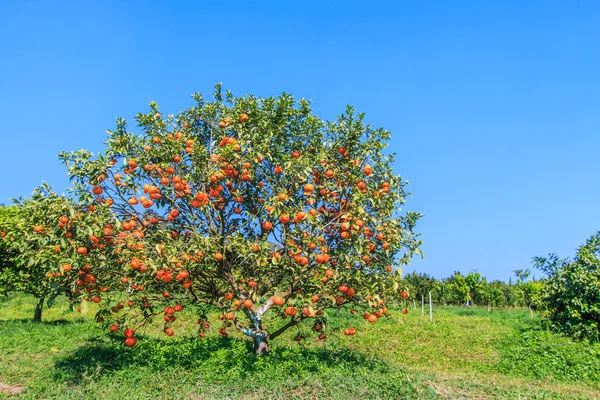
(530, 311)
(37, 316)
(261, 345)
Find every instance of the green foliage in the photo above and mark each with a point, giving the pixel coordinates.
(526, 291)
(571, 298)
(418, 284)
(472, 287)
(543, 355)
(8, 256)
(36, 245)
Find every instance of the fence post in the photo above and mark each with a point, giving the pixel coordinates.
(430, 309)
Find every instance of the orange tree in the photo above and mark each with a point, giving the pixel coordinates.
(8, 273)
(41, 238)
(248, 205)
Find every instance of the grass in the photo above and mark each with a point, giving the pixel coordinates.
(461, 355)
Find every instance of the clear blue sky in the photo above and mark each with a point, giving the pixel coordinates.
(494, 106)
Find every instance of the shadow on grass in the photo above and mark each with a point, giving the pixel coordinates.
(215, 359)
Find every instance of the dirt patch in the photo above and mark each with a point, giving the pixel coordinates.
(11, 389)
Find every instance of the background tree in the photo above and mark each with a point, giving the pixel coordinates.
(42, 237)
(458, 287)
(419, 285)
(245, 204)
(474, 282)
(571, 297)
(499, 294)
(527, 292)
(442, 293)
(8, 271)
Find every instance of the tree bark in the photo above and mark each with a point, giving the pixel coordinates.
(37, 316)
(261, 345)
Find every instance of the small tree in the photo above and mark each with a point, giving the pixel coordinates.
(464, 288)
(498, 293)
(40, 237)
(571, 294)
(419, 285)
(246, 205)
(442, 292)
(527, 291)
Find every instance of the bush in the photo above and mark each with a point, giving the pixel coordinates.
(571, 298)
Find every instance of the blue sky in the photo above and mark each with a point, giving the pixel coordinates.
(493, 105)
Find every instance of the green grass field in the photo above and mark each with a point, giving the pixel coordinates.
(469, 354)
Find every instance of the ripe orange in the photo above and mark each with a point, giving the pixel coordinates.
(267, 226)
(291, 311)
(128, 333)
(278, 300)
(300, 216)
